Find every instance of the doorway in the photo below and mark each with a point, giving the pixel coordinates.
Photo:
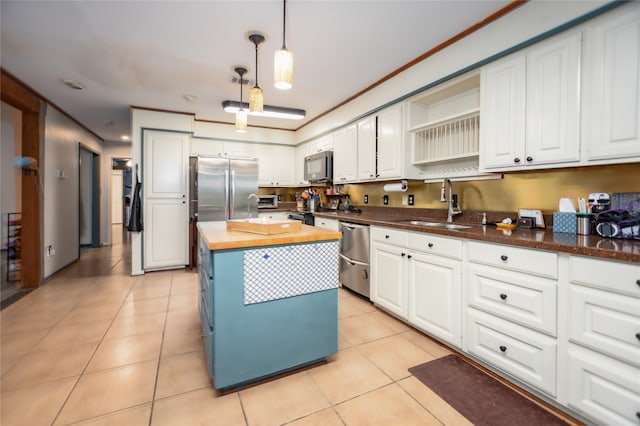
(121, 187)
(89, 208)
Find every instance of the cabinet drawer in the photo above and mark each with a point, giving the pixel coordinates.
(390, 236)
(605, 321)
(207, 341)
(518, 351)
(433, 244)
(204, 257)
(621, 277)
(527, 300)
(602, 388)
(535, 262)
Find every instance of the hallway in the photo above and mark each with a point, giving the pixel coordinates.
(97, 346)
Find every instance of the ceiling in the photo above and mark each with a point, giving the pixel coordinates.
(153, 53)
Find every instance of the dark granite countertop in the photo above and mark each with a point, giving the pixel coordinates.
(542, 239)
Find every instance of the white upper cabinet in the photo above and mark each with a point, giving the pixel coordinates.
(323, 143)
(390, 143)
(612, 113)
(222, 149)
(367, 148)
(502, 102)
(345, 154)
(530, 106)
(275, 165)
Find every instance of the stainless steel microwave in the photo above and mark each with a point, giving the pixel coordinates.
(319, 167)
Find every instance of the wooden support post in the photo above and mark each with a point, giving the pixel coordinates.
(23, 98)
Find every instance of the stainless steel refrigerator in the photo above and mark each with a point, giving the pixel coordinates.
(221, 188)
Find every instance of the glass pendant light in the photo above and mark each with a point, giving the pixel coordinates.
(256, 98)
(283, 59)
(241, 115)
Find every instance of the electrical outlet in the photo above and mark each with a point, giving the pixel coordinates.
(279, 197)
(385, 200)
(405, 200)
(411, 200)
(366, 199)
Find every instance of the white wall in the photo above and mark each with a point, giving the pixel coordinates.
(60, 179)
(10, 182)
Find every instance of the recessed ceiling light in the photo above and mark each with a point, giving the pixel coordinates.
(73, 84)
(125, 137)
(189, 98)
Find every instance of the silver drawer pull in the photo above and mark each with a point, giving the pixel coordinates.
(503, 296)
(503, 348)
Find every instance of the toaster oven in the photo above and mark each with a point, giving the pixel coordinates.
(267, 201)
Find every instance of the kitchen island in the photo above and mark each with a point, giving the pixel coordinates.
(268, 303)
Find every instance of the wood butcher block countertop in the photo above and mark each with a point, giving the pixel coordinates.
(218, 237)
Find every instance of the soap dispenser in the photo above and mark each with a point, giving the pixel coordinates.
(347, 204)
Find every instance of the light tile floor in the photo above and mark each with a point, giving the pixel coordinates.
(96, 346)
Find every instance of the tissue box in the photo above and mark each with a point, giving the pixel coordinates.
(565, 222)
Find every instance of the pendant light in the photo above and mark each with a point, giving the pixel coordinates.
(241, 115)
(283, 59)
(256, 98)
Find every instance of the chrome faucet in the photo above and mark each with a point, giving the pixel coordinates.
(453, 208)
(252, 195)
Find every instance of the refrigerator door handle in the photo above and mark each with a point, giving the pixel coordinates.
(232, 189)
(226, 193)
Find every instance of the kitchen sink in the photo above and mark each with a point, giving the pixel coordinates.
(444, 225)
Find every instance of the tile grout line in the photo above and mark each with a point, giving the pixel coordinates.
(164, 330)
(94, 352)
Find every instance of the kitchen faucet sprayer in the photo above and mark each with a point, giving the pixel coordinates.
(443, 197)
(452, 209)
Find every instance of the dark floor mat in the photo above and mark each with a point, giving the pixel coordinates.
(479, 397)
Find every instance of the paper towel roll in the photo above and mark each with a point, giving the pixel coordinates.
(395, 187)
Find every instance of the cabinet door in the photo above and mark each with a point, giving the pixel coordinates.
(553, 101)
(275, 165)
(614, 88)
(502, 103)
(301, 151)
(345, 154)
(206, 147)
(434, 296)
(331, 224)
(284, 170)
(166, 236)
(166, 160)
(388, 278)
(390, 143)
(602, 388)
(166, 213)
(367, 148)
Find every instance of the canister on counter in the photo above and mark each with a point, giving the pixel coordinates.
(585, 223)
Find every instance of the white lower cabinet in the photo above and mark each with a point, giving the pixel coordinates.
(602, 388)
(603, 356)
(521, 298)
(516, 350)
(274, 215)
(323, 222)
(435, 291)
(418, 277)
(389, 278)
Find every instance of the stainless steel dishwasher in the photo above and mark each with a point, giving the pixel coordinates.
(354, 257)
